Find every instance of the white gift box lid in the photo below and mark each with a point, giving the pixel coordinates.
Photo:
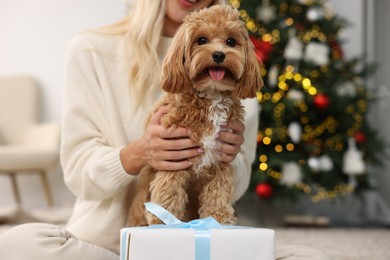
(179, 244)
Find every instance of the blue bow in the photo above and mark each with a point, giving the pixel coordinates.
(201, 227)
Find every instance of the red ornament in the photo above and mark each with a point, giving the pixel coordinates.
(300, 26)
(321, 101)
(360, 137)
(259, 138)
(262, 48)
(264, 190)
(336, 50)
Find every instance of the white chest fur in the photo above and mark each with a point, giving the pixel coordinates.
(218, 115)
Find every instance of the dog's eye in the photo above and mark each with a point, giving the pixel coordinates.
(231, 42)
(202, 40)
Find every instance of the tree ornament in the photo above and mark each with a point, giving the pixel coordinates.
(360, 137)
(295, 131)
(273, 75)
(295, 95)
(325, 163)
(321, 101)
(291, 174)
(315, 13)
(317, 53)
(353, 163)
(294, 47)
(346, 89)
(262, 48)
(259, 138)
(264, 190)
(300, 26)
(314, 163)
(266, 12)
(337, 51)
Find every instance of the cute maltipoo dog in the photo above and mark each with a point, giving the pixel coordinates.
(209, 67)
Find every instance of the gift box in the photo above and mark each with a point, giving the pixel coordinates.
(202, 239)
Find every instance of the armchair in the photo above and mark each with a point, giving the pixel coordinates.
(26, 146)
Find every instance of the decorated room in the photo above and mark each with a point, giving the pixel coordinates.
(194, 129)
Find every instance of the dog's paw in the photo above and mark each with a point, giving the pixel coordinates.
(224, 217)
(152, 219)
(227, 220)
(137, 221)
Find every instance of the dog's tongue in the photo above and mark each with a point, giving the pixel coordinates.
(217, 73)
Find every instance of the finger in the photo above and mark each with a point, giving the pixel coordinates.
(178, 132)
(229, 149)
(155, 119)
(172, 165)
(177, 144)
(231, 138)
(227, 158)
(235, 125)
(177, 155)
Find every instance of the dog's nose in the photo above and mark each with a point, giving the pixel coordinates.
(218, 56)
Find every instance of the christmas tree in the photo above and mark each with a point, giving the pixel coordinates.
(314, 137)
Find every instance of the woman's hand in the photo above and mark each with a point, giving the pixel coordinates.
(161, 148)
(169, 149)
(231, 138)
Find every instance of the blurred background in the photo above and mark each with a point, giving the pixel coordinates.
(322, 158)
(34, 41)
(322, 143)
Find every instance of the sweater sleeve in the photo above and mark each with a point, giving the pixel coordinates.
(244, 160)
(89, 155)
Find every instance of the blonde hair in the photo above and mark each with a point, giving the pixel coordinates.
(143, 30)
(146, 22)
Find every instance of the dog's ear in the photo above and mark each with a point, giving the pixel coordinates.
(174, 77)
(250, 81)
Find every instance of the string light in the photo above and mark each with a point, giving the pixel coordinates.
(263, 166)
(290, 75)
(278, 148)
(290, 147)
(316, 193)
(267, 140)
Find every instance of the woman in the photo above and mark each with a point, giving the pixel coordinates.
(111, 81)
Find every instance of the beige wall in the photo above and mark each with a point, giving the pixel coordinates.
(34, 37)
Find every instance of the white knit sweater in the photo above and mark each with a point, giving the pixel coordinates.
(97, 124)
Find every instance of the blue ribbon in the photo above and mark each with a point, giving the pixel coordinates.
(201, 226)
(168, 219)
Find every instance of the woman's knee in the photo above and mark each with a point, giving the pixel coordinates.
(46, 241)
(29, 240)
(31, 231)
(19, 233)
